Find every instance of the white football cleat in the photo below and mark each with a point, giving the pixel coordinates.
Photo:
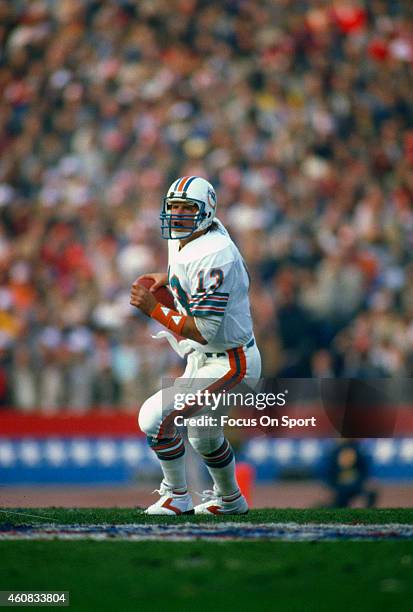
(215, 504)
(170, 503)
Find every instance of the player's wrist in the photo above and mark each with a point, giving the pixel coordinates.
(171, 319)
(155, 310)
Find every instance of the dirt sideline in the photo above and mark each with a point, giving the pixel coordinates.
(285, 495)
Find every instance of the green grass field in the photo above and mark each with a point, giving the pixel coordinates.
(85, 516)
(152, 576)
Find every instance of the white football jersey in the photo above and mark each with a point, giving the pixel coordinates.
(210, 282)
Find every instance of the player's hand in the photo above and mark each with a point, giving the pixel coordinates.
(142, 298)
(160, 279)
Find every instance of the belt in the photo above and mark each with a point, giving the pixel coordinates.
(215, 355)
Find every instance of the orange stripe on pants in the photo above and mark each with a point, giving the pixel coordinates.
(237, 371)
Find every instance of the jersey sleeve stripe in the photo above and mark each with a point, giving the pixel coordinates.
(206, 298)
(200, 294)
(221, 305)
(208, 307)
(210, 295)
(206, 313)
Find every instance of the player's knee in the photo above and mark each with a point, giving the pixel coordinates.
(148, 420)
(143, 421)
(204, 446)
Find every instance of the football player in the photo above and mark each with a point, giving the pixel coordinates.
(210, 282)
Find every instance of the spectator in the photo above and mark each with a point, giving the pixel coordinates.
(23, 387)
(300, 113)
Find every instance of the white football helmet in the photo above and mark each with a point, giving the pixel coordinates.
(192, 190)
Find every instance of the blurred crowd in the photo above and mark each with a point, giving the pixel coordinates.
(300, 112)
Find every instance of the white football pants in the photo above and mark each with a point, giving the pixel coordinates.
(158, 412)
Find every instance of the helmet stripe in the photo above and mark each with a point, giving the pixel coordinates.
(185, 187)
(182, 183)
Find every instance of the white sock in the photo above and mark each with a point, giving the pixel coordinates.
(224, 479)
(171, 455)
(221, 466)
(174, 474)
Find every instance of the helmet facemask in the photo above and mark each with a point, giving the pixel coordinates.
(170, 222)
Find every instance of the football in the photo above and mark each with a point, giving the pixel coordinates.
(163, 295)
